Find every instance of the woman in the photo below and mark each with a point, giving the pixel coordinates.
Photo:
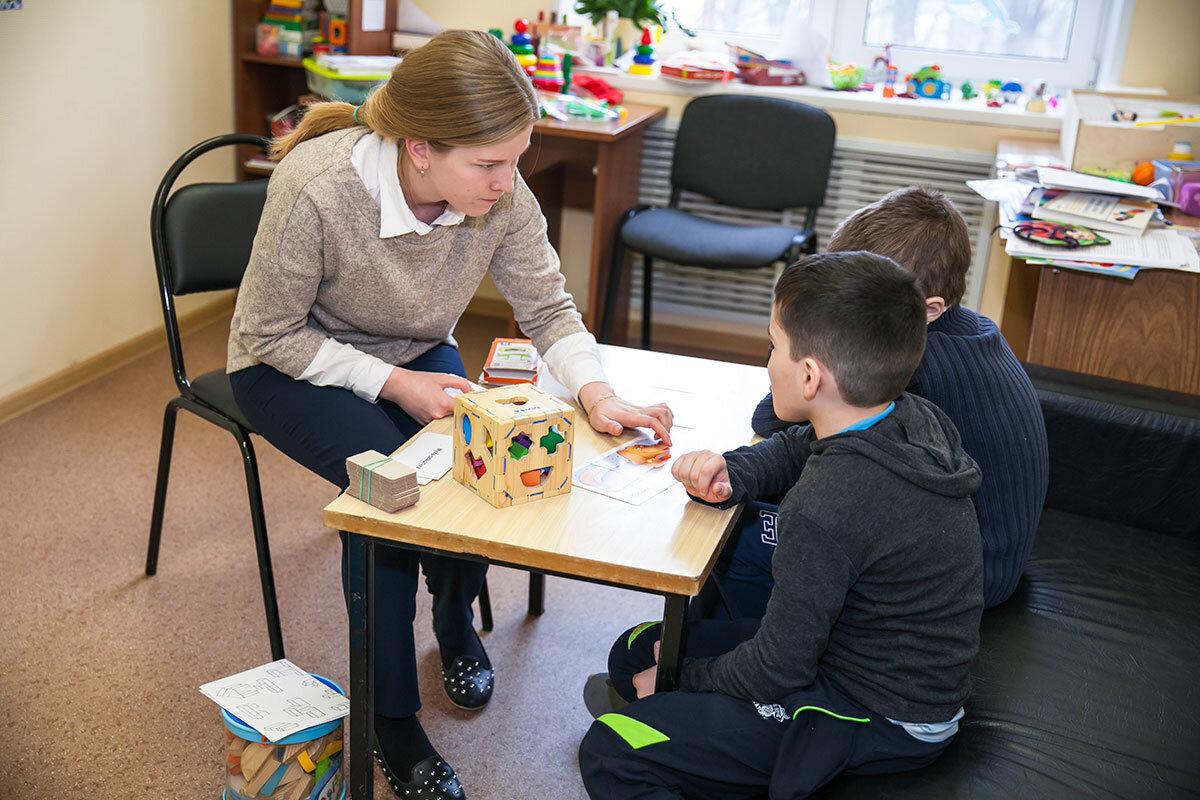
(380, 223)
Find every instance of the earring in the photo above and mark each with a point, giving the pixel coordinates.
(422, 172)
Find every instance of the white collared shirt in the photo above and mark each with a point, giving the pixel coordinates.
(574, 360)
(375, 159)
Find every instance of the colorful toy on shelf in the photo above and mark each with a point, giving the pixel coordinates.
(513, 444)
(1037, 103)
(643, 61)
(991, 94)
(968, 91)
(846, 77)
(889, 80)
(522, 46)
(927, 82)
(548, 75)
(499, 34)
(1011, 91)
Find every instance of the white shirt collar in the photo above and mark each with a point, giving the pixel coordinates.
(374, 158)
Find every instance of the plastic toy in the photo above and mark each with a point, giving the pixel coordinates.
(643, 62)
(522, 46)
(1053, 234)
(1011, 91)
(1037, 103)
(513, 444)
(846, 77)
(1143, 173)
(548, 75)
(968, 91)
(927, 82)
(1121, 115)
(889, 81)
(991, 94)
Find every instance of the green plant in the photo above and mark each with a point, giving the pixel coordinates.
(640, 12)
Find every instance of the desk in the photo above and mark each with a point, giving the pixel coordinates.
(665, 546)
(594, 166)
(1145, 331)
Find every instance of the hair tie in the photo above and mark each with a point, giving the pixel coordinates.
(356, 108)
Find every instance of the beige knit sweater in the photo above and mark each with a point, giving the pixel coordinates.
(319, 270)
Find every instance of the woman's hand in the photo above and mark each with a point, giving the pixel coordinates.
(704, 475)
(421, 394)
(610, 414)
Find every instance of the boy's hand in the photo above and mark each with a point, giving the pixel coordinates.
(704, 475)
(645, 681)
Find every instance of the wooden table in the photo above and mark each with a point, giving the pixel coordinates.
(1144, 331)
(594, 166)
(665, 546)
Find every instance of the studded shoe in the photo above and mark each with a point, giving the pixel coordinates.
(468, 683)
(431, 779)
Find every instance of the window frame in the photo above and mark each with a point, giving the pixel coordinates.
(1079, 70)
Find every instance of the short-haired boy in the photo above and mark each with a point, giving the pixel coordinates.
(968, 371)
(860, 662)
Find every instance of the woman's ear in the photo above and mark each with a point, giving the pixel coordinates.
(418, 153)
(934, 308)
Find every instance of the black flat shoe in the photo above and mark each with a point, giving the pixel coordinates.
(431, 779)
(468, 683)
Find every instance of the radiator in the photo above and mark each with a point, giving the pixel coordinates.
(863, 170)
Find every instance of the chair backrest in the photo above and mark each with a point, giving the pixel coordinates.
(753, 152)
(202, 236)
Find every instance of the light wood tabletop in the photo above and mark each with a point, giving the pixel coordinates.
(665, 545)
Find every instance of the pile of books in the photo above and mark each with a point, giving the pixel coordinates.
(287, 29)
(1077, 221)
(510, 361)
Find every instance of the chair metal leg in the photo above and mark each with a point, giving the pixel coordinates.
(647, 299)
(258, 518)
(537, 594)
(485, 607)
(160, 485)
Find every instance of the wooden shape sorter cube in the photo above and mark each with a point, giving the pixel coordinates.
(513, 444)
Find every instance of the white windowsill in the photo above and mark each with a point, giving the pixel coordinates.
(971, 112)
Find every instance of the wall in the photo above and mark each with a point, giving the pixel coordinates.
(1162, 47)
(94, 106)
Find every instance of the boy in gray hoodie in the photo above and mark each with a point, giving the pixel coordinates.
(860, 663)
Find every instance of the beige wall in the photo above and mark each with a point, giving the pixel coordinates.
(1162, 49)
(95, 103)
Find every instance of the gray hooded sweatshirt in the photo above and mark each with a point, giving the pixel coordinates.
(878, 572)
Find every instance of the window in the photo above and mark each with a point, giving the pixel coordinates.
(1023, 40)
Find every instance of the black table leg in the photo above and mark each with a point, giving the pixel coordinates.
(674, 637)
(361, 577)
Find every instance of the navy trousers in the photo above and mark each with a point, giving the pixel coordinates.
(710, 745)
(320, 427)
(741, 581)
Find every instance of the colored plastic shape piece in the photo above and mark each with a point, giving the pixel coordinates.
(551, 440)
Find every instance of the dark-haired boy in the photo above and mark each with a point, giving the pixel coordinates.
(860, 661)
(968, 371)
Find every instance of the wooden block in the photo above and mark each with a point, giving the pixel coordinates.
(262, 774)
(254, 756)
(296, 791)
(513, 444)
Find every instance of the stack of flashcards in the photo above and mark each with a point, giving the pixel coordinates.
(511, 361)
(382, 481)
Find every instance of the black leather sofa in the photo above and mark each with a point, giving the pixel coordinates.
(1087, 683)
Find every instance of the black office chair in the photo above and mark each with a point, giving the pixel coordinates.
(741, 151)
(202, 236)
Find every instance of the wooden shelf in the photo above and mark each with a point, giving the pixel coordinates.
(274, 61)
(264, 85)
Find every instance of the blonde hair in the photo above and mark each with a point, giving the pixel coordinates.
(461, 89)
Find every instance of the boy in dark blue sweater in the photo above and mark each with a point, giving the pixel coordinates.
(860, 661)
(968, 371)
